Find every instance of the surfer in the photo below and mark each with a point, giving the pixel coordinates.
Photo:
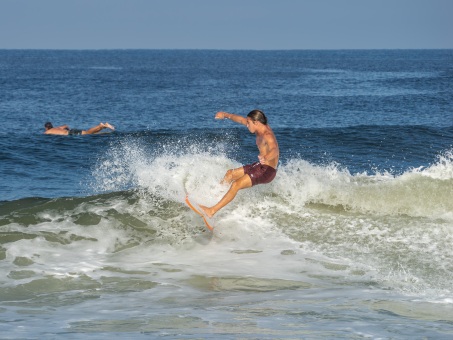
(65, 130)
(261, 172)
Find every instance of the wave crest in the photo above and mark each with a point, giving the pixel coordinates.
(169, 173)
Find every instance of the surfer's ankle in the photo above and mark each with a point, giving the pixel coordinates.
(207, 211)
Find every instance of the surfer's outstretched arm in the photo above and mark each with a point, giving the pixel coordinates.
(231, 116)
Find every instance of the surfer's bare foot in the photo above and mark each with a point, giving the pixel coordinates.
(208, 211)
(107, 125)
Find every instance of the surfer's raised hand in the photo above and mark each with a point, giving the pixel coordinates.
(220, 115)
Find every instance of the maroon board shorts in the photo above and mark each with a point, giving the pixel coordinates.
(260, 174)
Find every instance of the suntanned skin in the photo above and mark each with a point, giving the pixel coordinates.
(64, 129)
(268, 155)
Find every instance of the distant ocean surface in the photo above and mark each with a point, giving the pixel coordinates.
(353, 238)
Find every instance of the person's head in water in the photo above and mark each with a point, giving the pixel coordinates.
(48, 125)
(258, 116)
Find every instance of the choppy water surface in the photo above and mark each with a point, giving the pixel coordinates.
(351, 240)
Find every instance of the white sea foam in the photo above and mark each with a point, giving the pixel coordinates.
(388, 229)
(442, 169)
(314, 229)
(417, 192)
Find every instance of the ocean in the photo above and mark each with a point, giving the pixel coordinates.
(352, 240)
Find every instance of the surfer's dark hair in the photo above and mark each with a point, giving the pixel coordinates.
(48, 125)
(258, 116)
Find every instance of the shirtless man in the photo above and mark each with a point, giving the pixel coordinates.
(260, 172)
(65, 130)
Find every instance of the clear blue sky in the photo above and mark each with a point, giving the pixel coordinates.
(226, 24)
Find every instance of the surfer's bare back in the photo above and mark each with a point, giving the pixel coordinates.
(261, 172)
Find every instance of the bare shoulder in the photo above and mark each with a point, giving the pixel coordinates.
(56, 131)
(269, 134)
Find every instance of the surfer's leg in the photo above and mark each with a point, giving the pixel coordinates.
(233, 175)
(241, 183)
(107, 125)
(98, 128)
(94, 129)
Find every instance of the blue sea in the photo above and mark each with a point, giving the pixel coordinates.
(352, 240)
